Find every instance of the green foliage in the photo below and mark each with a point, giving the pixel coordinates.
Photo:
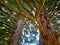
(10, 9)
(7, 24)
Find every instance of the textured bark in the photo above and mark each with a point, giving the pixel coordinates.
(16, 34)
(48, 36)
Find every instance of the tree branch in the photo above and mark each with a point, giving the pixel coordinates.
(8, 7)
(56, 25)
(22, 8)
(17, 12)
(29, 4)
(39, 8)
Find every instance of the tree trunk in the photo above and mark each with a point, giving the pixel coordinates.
(16, 34)
(47, 37)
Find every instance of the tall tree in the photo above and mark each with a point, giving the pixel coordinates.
(38, 12)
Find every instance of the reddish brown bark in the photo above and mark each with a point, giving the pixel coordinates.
(48, 36)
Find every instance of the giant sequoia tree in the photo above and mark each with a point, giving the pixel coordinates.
(44, 13)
